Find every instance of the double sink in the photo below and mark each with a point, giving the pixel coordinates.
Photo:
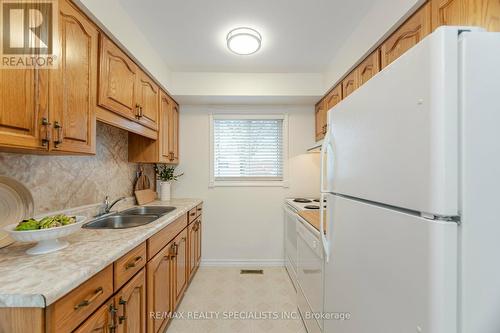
(130, 218)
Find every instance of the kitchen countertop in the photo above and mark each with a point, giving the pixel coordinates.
(38, 281)
(312, 217)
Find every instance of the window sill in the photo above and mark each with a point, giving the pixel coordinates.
(249, 183)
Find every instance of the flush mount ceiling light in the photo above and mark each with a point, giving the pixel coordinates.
(243, 41)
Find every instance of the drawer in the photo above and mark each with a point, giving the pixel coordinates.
(165, 235)
(199, 209)
(71, 310)
(128, 265)
(192, 215)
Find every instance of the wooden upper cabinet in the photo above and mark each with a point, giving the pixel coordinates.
(350, 83)
(74, 83)
(483, 13)
(159, 287)
(131, 305)
(369, 67)
(173, 131)
(166, 104)
(333, 98)
(320, 123)
(166, 148)
(24, 109)
(147, 101)
(407, 35)
(118, 77)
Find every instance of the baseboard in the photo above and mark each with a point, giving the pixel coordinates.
(242, 263)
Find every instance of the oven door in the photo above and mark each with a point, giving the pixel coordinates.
(310, 276)
(291, 243)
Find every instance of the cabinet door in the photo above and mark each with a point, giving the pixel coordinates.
(333, 98)
(117, 80)
(198, 242)
(193, 244)
(23, 109)
(408, 34)
(350, 83)
(369, 67)
(320, 123)
(181, 265)
(131, 304)
(74, 83)
(164, 128)
(483, 13)
(159, 287)
(174, 134)
(102, 321)
(148, 101)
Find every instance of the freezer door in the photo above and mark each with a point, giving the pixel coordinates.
(389, 271)
(395, 139)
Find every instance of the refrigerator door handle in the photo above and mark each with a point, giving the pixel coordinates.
(324, 238)
(322, 153)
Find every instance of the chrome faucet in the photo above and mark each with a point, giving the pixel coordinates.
(108, 206)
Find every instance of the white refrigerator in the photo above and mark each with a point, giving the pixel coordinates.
(411, 175)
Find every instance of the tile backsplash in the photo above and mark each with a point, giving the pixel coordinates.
(62, 182)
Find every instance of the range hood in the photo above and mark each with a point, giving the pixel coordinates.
(316, 148)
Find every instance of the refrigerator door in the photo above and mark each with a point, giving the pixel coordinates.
(480, 183)
(389, 271)
(395, 139)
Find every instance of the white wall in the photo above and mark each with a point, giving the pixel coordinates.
(377, 24)
(247, 84)
(115, 20)
(244, 223)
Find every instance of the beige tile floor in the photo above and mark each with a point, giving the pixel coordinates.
(224, 291)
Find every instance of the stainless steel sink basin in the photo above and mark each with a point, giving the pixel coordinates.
(120, 221)
(148, 210)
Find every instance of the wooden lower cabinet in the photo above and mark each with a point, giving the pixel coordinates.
(159, 289)
(154, 287)
(130, 302)
(192, 243)
(102, 321)
(180, 261)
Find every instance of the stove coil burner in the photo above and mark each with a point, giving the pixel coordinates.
(302, 200)
(311, 207)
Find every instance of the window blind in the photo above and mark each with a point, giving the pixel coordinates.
(248, 149)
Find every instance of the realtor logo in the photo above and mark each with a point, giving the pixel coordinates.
(28, 33)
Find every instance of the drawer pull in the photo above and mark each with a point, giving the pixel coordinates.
(198, 209)
(133, 263)
(98, 292)
(192, 214)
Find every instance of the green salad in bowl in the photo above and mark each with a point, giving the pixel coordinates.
(45, 223)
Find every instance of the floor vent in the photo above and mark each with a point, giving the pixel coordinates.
(252, 271)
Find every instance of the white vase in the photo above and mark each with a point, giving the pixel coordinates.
(164, 191)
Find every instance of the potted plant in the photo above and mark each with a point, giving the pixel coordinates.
(165, 175)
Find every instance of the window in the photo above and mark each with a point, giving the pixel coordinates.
(248, 150)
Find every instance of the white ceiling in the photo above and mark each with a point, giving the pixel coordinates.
(300, 36)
